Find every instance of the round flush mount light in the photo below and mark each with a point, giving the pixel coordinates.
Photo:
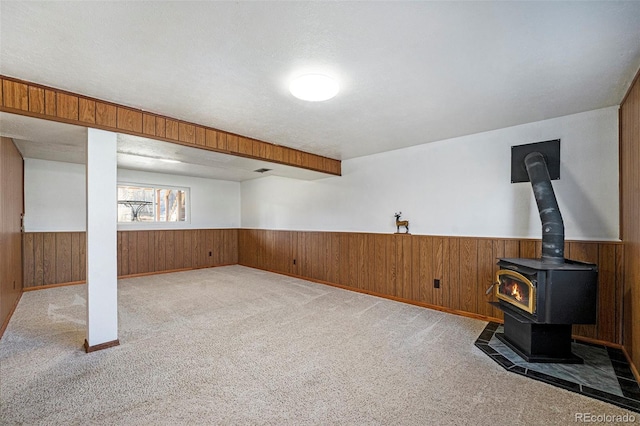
(314, 87)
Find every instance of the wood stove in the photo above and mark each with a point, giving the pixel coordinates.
(541, 301)
(542, 298)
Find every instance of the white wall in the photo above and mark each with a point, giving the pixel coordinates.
(55, 198)
(459, 186)
(214, 203)
(455, 187)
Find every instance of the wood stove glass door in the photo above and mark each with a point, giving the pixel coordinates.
(516, 289)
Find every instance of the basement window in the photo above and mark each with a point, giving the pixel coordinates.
(151, 204)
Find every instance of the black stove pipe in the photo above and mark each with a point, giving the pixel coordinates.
(552, 224)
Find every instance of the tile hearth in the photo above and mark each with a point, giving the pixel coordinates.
(605, 374)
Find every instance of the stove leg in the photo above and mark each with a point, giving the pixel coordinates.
(539, 342)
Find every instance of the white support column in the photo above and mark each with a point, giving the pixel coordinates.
(102, 266)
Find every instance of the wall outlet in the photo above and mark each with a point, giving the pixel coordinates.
(210, 253)
(436, 283)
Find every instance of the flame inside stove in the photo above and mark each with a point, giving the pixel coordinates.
(515, 292)
(516, 289)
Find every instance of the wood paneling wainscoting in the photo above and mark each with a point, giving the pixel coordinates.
(404, 267)
(11, 209)
(53, 258)
(630, 216)
(154, 251)
(59, 257)
(398, 266)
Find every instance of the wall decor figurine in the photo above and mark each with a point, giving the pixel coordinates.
(400, 223)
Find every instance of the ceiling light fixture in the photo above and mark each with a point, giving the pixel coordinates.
(167, 160)
(314, 87)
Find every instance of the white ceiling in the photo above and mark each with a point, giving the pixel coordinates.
(410, 72)
(50, 140)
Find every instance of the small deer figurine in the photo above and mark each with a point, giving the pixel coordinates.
(400, 223)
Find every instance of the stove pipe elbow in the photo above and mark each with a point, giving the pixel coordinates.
(552, 224)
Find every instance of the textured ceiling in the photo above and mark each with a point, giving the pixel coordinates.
(411, 72)
(53, 141)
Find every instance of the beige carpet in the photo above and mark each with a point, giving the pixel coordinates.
(235, 345)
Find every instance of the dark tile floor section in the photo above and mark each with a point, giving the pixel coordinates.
(605, 374)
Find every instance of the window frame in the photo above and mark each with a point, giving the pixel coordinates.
(158, 224)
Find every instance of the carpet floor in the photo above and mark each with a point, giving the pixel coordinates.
(235, 345)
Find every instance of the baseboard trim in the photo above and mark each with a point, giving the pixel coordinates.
(389, 297)
(43, 287)
(444, 309)
(142, 274)
(634, 369)
(168, 271)
(597, 342)
(5, 324)
(101, 346)
(146, 274)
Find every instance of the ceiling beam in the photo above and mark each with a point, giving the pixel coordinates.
(35, 100)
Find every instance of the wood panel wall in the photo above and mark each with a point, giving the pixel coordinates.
(630, 216)
(11, 209)
(405, 267)
(398, 266)
(34, 100)
(142, 252)
(60, 257)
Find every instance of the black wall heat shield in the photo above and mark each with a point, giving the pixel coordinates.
(549, 149)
